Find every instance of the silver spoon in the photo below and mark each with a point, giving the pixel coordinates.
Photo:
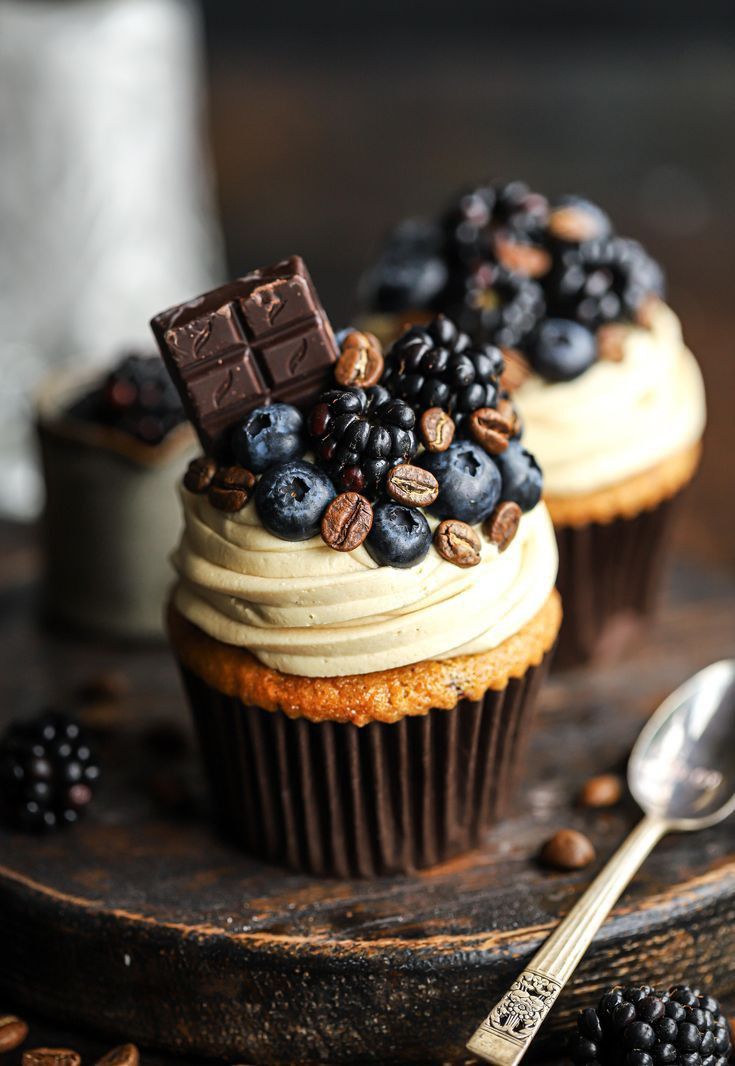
(682, 773)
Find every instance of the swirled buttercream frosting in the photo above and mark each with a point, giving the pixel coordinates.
(619, 418)
(304, 609)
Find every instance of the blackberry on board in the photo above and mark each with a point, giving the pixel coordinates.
(637, 1026)
(360, 434)
(439, 366)
(602, 281)
(48, 773)
(496, 305)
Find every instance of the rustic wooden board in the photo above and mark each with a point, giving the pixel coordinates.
(142, 924)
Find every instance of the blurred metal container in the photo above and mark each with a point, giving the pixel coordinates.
(105, 202)
(112, 517)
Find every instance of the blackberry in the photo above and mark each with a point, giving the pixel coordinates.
(360, 434)
(638, 1026)
(137, 397)
(471, 222)
(602, 281)
(495, 305)
(438, 366)
(47, 773)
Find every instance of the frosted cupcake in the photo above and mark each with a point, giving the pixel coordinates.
(364, 611)
(611, 399)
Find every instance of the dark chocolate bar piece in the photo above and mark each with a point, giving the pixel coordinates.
(262, 338)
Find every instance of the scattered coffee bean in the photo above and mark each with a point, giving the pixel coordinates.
(125, 1055)
(112, 685)
(517, 369)
(347, 521)
(199, 474)
(568, 850)
(13, 1032)
(604, 790)
(361, 362)
(437, 430)
(521, 258)
(490, 430)
(573, 224)
(230, 488)
(611, 342)
(50, 1056)
(502, 525)
(411, 486)
(458, 543)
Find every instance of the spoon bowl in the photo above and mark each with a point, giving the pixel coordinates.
(682, 768)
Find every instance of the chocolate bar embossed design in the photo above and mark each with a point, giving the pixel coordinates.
(261, 338)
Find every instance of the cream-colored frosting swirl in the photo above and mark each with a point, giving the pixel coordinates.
(618, 418)
(303, 608)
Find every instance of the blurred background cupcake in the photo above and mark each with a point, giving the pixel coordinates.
(113, 447)
(365, 603)
(611, 399)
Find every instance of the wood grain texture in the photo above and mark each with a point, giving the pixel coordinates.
(142, 924)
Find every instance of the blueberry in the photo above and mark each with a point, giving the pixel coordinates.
(269, 435)
(469, 482)
(522, 478)
(400, 536)
(562, 350)
(291, 499)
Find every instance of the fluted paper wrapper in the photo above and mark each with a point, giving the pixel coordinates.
(334, 799)
(609, 580)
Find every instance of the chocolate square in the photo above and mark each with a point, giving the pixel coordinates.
(260, 339)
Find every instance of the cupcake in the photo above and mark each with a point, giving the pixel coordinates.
(611, 399)
(365, 602)
(113, 448)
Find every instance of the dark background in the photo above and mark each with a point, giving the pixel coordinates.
(330, 121)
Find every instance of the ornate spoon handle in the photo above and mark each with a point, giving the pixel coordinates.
(505, 1035)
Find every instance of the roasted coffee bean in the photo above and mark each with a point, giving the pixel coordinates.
(125, 1055)
(611, 342)
(568, 850)
(51, 1056)
(411, 486)
(574, 224)
(230, 488)
(13, 1032)
(605, 790)
(521, 258)
(458, 543)
(347, 521)
(502, 525)
(507, 411)
(199, 474)
(437, 430)
(517, 369)
(490, 430)
(361, 362)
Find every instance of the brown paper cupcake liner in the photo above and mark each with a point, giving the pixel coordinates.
(609, 580)
(334, 799)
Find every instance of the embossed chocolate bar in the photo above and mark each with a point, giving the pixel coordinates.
(261, 338)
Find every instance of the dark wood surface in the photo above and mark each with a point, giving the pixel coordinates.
(142, 924)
